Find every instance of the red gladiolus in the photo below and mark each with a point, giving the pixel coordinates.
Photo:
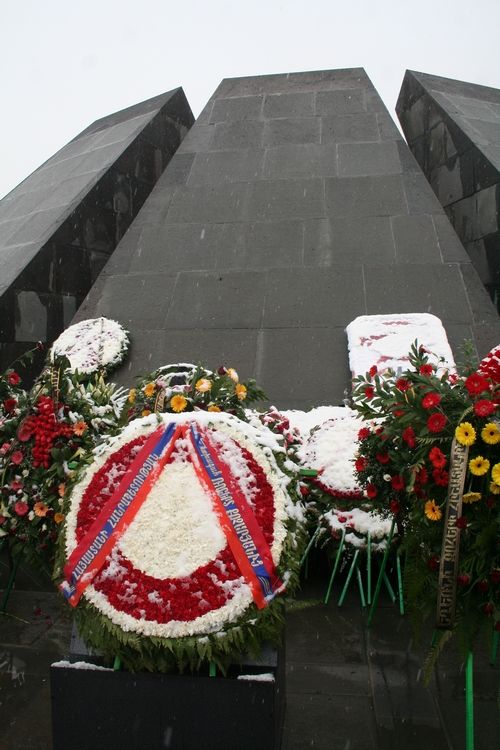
(461, 523)
(402, 384)
(369, 392)
(437, 458)
(9, 404)
(426, 369)
(382, 458)
(484, 408)
(371, 491)
(13, 378)
(431, 400)
(476, 384)
(21, 508)
(17, 457)
(408, 436)
(397, 482)
(463, 579)
(436, 422)
(364, 433)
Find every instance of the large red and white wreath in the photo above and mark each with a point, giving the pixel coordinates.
(172, 573)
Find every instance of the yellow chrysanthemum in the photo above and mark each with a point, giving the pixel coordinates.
(494, 488)
(149, 389)
(145, 412)
(178, 403)
(471, 497)
(213, 407)
(132, 395)
(490, 433)
(432, 510)
(231, 372)
(203, 385)
(479, 466)
(241, 391)
(495, 474)
(465, 433)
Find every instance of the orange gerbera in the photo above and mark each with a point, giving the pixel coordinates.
(203, 385)
(79, 428)
(61, 489)
(213, 407)
(58, 517)
(145, 412)
(241, 391)
(149, 389)
(178, 403)
(40, 509)
(432, 510)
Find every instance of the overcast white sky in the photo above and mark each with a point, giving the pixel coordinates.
(65, 63)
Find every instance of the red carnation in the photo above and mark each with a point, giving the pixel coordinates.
(402, 384)
(397, 482)
(395, 507)
(476, 384)
(13, 378)
(373, 371)
(431, 400)
(408, 436)
(371, 491)
(426, 369)
(17, 457)
(484, 408)
(9, 404)
(437, 458)
(21, 508)
(382, 458)
(436, 422)
(369, 392)
(463, 579)
(364, 433)
(361, 463)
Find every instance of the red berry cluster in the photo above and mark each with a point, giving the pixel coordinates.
(46, 429)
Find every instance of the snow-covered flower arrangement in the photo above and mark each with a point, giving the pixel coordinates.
(93, 345)
(171, 592)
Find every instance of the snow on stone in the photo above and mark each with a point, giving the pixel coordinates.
(63, 664)
(331, 450)
(264, 677)
(385, 340)
(305, 421)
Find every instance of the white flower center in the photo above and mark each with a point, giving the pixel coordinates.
(176, 530)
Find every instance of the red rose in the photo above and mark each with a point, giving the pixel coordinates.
(408, 436)
(476, 384)
(402, 384)
(436, 422)
(461, 523)
(9, 404)
(360, 463)
(371, 491)
(304, 490)
(398, 413)
(364, 433)
(13, 378)
(495, 576)
(433, 563)
(15, 485)
(373, 371)
(426, 369)
(369, 392)
(431, 400)
(483, 586)
(395, 507)
(17, 457)
(484, 408)
(382, 458)
(21, 508)
(437, 458)
(463, 579)
(488, 608)
(397, 482)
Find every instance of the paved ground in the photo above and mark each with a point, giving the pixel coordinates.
(347, 688)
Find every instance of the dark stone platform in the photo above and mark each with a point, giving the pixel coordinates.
(453, 130)
(292, 206)
(61, 224)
